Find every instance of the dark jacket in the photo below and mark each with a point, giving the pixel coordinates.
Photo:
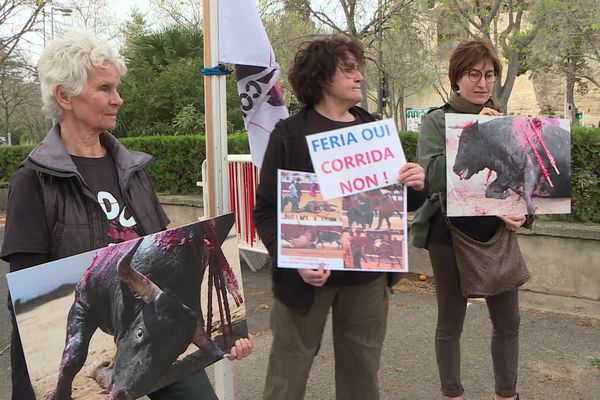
(74, 219)
(287, 149)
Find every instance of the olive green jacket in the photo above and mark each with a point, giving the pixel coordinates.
(431, 155)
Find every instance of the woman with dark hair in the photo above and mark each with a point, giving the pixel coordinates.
(326, 77)
(473, 69)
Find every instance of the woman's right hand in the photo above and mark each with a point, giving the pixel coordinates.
(490, 111)
(315, 277)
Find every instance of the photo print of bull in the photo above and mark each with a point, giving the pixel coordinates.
(507, 165)
(167, 305)
(361, 232)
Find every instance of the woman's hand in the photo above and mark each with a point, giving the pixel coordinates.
(513, 222)
(315, 277)
(242, 348)
(412, 175)
(490, 111)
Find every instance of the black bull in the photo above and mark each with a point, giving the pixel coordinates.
(530, 157)
(146, 294)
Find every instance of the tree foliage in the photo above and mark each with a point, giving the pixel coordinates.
(500, 21)
(164, 82)
(567, 43)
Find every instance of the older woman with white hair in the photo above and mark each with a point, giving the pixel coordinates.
(80, 189)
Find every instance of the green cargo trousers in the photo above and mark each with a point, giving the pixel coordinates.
(359, 320)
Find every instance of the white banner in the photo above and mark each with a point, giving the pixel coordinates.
(243, 41)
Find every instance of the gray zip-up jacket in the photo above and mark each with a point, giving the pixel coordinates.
(75, 220)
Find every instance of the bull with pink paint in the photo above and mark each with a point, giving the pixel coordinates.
(146, 293)
(531, 157)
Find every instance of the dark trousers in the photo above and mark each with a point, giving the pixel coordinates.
(452, 306)
(194, 387)
(359, 320)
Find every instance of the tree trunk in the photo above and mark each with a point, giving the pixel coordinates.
(402, 112)
(503, 91)
(570, 89)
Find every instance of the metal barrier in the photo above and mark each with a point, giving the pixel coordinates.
(243, 182)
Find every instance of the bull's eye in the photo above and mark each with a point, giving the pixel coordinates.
(140, 333)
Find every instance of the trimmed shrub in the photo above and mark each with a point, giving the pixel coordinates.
(178, 159)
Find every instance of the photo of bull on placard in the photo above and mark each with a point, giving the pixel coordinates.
(507, 165)
(152, 298)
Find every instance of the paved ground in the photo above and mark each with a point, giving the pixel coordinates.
(560, 336)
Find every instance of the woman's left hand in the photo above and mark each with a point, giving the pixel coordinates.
(513, 222)
(412, 175)
(242, 348)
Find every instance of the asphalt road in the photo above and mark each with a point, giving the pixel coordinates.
(557, 347)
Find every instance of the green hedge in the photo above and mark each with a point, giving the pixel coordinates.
(178, 159)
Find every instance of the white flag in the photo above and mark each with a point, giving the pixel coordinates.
(243, 41)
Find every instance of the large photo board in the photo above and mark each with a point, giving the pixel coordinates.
(507, 165)
(362, 232)
(167, 305)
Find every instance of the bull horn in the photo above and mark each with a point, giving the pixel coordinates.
(464, 125)
(139, 283)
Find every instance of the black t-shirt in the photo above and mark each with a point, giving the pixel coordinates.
(100, 175)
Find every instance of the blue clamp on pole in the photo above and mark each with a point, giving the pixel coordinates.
(216, 70)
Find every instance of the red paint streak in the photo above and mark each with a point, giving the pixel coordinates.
(171, 238)
(529, 130)
(105, 258)
(538, 129)
(489, 175)
(230, 280)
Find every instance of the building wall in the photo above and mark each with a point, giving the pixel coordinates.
(537, 93)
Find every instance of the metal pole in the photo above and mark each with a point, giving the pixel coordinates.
(216, 156)
(216, 118)
(379, 60)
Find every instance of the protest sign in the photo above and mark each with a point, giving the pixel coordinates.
(360, 232)
(356, 159)
(171, 301)
(507, 165)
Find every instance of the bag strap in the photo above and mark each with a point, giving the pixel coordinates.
(450, 226)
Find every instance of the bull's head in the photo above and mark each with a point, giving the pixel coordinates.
(470, 158)
(161, 328)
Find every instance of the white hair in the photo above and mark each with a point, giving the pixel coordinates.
(66, 61)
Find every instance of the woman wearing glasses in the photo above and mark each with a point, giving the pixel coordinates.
(473, 70)
(326, 78)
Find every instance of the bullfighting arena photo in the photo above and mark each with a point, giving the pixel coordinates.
(515, 150)
(43, 295)
(361, 232)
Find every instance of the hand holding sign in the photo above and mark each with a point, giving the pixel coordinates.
(357, 158)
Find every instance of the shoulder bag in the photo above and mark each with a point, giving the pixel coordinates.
(488, 268)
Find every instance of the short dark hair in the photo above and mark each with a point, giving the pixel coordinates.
(315, 64)
(467, 54)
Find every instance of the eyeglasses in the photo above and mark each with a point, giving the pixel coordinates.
(350, 70)
(475, 76)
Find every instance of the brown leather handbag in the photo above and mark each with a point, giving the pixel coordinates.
(488, 268)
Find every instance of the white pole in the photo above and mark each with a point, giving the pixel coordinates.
(216, 117)
(216, 156)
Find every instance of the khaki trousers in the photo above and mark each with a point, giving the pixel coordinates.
(359, 320)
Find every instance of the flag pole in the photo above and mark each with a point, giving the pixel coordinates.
(217, 184)
(215, 109)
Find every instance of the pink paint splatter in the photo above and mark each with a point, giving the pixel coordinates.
(529, 132)
(171, 238)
